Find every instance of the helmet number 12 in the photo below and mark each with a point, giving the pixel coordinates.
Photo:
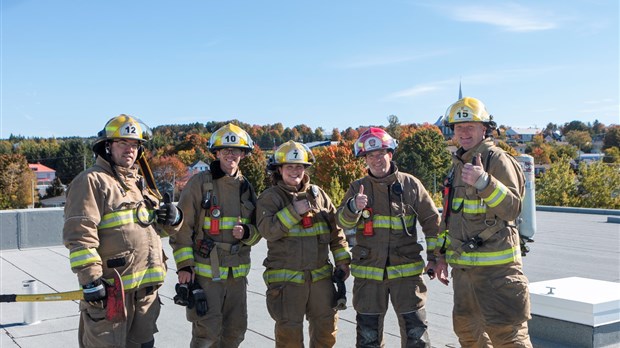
(130, 129)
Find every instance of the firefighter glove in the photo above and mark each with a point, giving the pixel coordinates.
(94, 292)
(168, 213)
(182, 296)
(198, 300)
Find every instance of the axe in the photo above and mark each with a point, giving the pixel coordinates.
(115, 299)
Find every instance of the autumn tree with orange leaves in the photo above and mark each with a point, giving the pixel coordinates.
(336, 168)
(170, 174)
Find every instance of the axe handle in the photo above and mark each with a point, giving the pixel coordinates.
(56, 296)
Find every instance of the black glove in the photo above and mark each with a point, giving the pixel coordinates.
(94, 292)
(168, 213)
(183, 294)
(198, 299)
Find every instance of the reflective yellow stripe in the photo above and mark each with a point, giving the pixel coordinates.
(497, 196)
(124, 217)
(153, 275)
(317, 228)
(286, 218)
(183, 254)
(342, 221)
(367, 272)
(289, 275)
(393, 272)
(405, 270)
(84, 256)
(226, 222)
(490, 258)
(206, 271)
(470, 206)
(341, 254)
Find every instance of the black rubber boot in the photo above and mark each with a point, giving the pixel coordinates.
(368, 331)
(416, 330)
(150, 344)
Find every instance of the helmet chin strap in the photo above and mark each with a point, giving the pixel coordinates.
(145, 169)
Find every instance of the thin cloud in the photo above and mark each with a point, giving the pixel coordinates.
(391, 59)
(493, 77)
(511, 17)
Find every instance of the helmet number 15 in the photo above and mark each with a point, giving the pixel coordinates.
(462, 114)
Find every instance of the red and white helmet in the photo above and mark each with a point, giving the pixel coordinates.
(374, 139)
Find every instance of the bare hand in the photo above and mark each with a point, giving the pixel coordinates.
(238, 230)
(438, 269)
(301, 206)
(186, 277)
(361, 200)
(471, 172)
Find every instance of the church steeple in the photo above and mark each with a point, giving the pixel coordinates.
(460, 91)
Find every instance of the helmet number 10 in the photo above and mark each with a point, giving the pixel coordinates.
(230, 139)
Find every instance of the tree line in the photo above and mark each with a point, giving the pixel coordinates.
(422, 151)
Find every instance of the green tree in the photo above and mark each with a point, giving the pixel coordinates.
(254, 167)
(597, 180)
(17, 182)
(394, 128)
(612, 137)
(575, 125)
(73, 156)
(612, 155)
(558, 185)
(424, 155)
(55, 189)
(581, 139)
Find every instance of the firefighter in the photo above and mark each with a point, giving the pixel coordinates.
(481, 241)
(298, 221)
(383, 208)
(212, 246)
(112, 220)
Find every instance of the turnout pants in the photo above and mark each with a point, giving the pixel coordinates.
(288, 303)
(408, 296)
(491, 306)
(137, 331)
(226, 320)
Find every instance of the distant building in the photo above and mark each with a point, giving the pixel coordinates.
(197, 166)
(590, 157)
(522, 135)
(45, 175)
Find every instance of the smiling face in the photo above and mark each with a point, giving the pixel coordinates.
(229, 159)
(379, 162)
(469, 134)
(124, 152)
(292, 174)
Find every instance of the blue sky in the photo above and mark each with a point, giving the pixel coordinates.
(69, 66)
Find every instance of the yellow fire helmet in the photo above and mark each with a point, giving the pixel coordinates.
(230, 135)
(467, 109)
(122, 127)
(291, 153)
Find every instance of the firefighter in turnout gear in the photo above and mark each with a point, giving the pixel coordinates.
(113, 221)
(212, 246)
(298, 221)
(383, 207)
(480, 240)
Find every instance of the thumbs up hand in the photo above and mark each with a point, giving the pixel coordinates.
(474, 174)
(168, 213)
(361, 200)
(238, 230)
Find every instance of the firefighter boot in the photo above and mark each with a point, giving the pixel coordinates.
(368, 331)
(414, 330)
